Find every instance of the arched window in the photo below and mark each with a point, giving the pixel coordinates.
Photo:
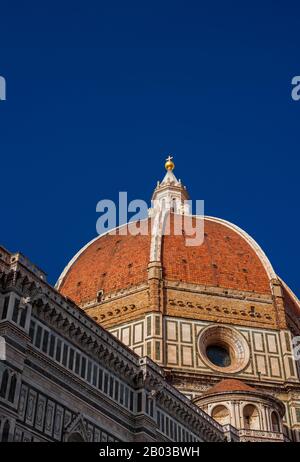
(5, 433)
(221, 414)
(12, 389)
(5, 307)
(23, 317)
(174, 206)
(251, 417)
(275, 422)
(75, 437)
(4, 384)
(16, 310)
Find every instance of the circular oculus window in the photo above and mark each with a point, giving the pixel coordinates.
(218, 355)
(223, 349)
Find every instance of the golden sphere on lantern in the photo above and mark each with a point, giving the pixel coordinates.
(169, 165)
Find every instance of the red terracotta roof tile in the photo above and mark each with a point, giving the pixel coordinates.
(229, 385)
(114, 262)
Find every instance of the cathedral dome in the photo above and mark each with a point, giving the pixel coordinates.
(229, 385)
(233, 402)
(123, 274)
(227, 258)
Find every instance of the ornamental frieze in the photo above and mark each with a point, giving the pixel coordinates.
(244, 313)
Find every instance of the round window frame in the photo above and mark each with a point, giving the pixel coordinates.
(228, 338)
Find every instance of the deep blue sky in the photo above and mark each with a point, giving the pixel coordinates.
(99, 92)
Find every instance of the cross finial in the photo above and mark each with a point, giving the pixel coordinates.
(169, 163)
